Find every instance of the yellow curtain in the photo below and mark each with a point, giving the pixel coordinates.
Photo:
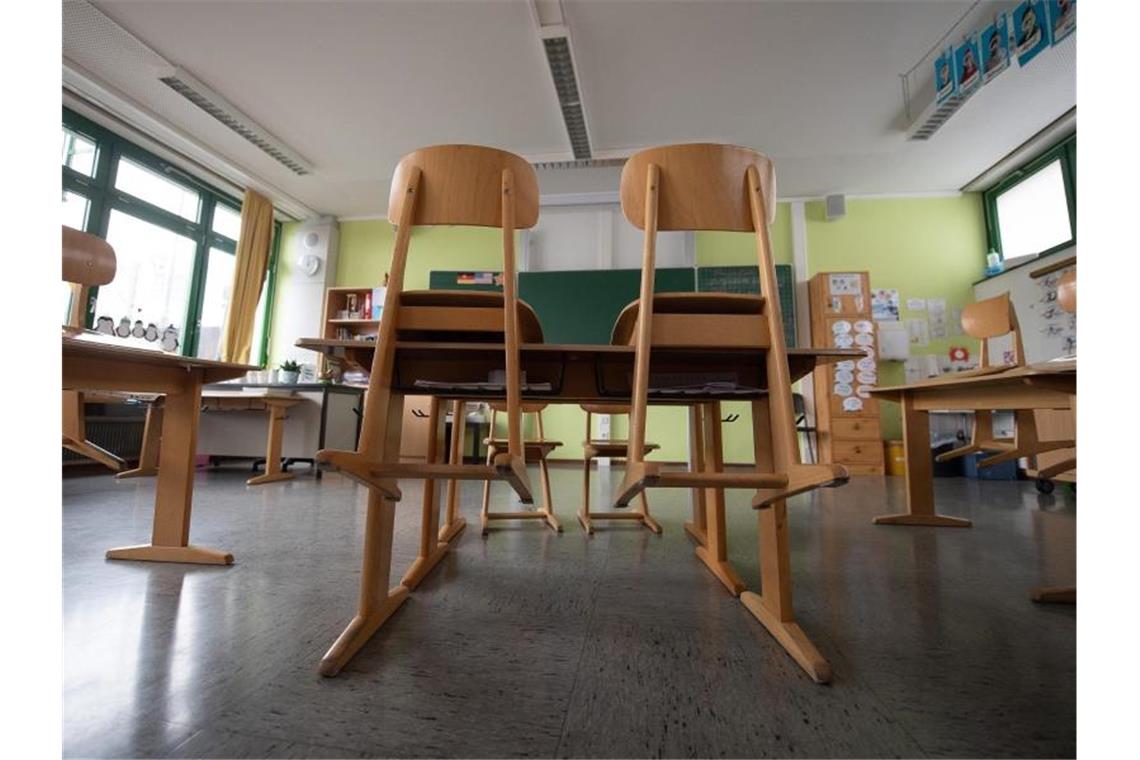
(251, 262)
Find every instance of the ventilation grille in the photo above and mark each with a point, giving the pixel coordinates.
(566, 84)
(235, 120)
(585, 163)
(935, 117)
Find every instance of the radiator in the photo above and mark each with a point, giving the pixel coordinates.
(119, 436)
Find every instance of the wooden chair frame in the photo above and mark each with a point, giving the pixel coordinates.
(702, 194)
(450, 184)
(592, 448)
(88, 261)
(536, 451)
(983, 320)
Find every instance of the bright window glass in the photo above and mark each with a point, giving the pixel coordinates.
(227, 221)
(259, 327)
(215, 303)
(75, 210)
(154, 269)
(156, 189)
(78, 153)
(1033, 215)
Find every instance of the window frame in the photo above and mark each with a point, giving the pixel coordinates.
(1066, 151)
(100, 191)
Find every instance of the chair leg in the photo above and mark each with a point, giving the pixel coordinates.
(484, 512)
(431, 549)
(152, 439)
(584, 511)
(454, 524)
(547, 499)
(714, 551)
(696, 528)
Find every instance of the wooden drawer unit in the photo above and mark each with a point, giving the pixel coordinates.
(859, 429)
(864, 452)
(847, 416)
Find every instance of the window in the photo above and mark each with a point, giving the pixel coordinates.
(1033, 210)
(174, 239)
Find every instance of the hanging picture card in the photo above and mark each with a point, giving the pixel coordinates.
(1030, 30)
(994, 43)
(967, 65)
(944, 82)
(1063, 18)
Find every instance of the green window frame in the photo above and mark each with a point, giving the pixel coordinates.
(1066, 152)
(103, 197)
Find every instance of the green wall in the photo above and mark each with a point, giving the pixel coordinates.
(925, 247)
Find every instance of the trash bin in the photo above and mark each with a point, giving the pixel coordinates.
(896, 457)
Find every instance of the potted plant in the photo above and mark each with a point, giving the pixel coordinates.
(290, 370)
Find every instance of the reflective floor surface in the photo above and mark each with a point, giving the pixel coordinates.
(529, 643)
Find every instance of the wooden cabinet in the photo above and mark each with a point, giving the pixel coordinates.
(846, 415)
(350, 314)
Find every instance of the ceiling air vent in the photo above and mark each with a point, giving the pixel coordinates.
(561, 63)
(584, 163)
(218, 107)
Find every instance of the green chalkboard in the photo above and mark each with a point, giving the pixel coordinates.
(746, 279)
(577, 306)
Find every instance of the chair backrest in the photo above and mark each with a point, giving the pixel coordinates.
(87, 260)
(461, 184)
(992, 318)
(1067, 291)
(703, 186)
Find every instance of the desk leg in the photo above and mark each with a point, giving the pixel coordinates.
(919, 474)
(714, 551)
(273, 471)
(377, 602)
(431, 549)
(696, 528)
(152, 437)
(174, 488)
(453, 524)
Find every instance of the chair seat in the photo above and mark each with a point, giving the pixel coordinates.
(684, 303)
(533, 451)
(611, 448)
(530, 330)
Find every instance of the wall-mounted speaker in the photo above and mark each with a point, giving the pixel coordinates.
(836, 207)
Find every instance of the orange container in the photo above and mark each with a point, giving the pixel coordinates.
(896, 457)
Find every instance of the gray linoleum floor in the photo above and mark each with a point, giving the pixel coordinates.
(528, 643)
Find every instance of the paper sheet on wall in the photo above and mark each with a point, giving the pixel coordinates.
(885, 305)
(936, 316)
(894, 341)
(955, 322)
(844, 284)
(916, 304)
(918, 332)
(915, 368)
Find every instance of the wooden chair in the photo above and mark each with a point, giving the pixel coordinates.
(1067, 298)
(536, 452)
(593, 448)
(455, 185)
(88, 261)
(993, 318)
(709, 187)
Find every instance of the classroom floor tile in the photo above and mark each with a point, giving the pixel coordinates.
(531, 643)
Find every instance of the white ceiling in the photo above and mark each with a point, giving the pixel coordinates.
(353, 86)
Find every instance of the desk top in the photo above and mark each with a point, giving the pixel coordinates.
(118, 360)
(1061, 369)
(577, 373)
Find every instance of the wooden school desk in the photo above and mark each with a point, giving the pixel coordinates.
(575, 374)
(275, 406)
(102, 364)
(1052, 385)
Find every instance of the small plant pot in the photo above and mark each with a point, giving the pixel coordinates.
(287, 378)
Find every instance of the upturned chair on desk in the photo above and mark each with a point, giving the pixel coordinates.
(88, 261)
(993, 318)
(536, 451)
(708, 187)
(447, 184)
